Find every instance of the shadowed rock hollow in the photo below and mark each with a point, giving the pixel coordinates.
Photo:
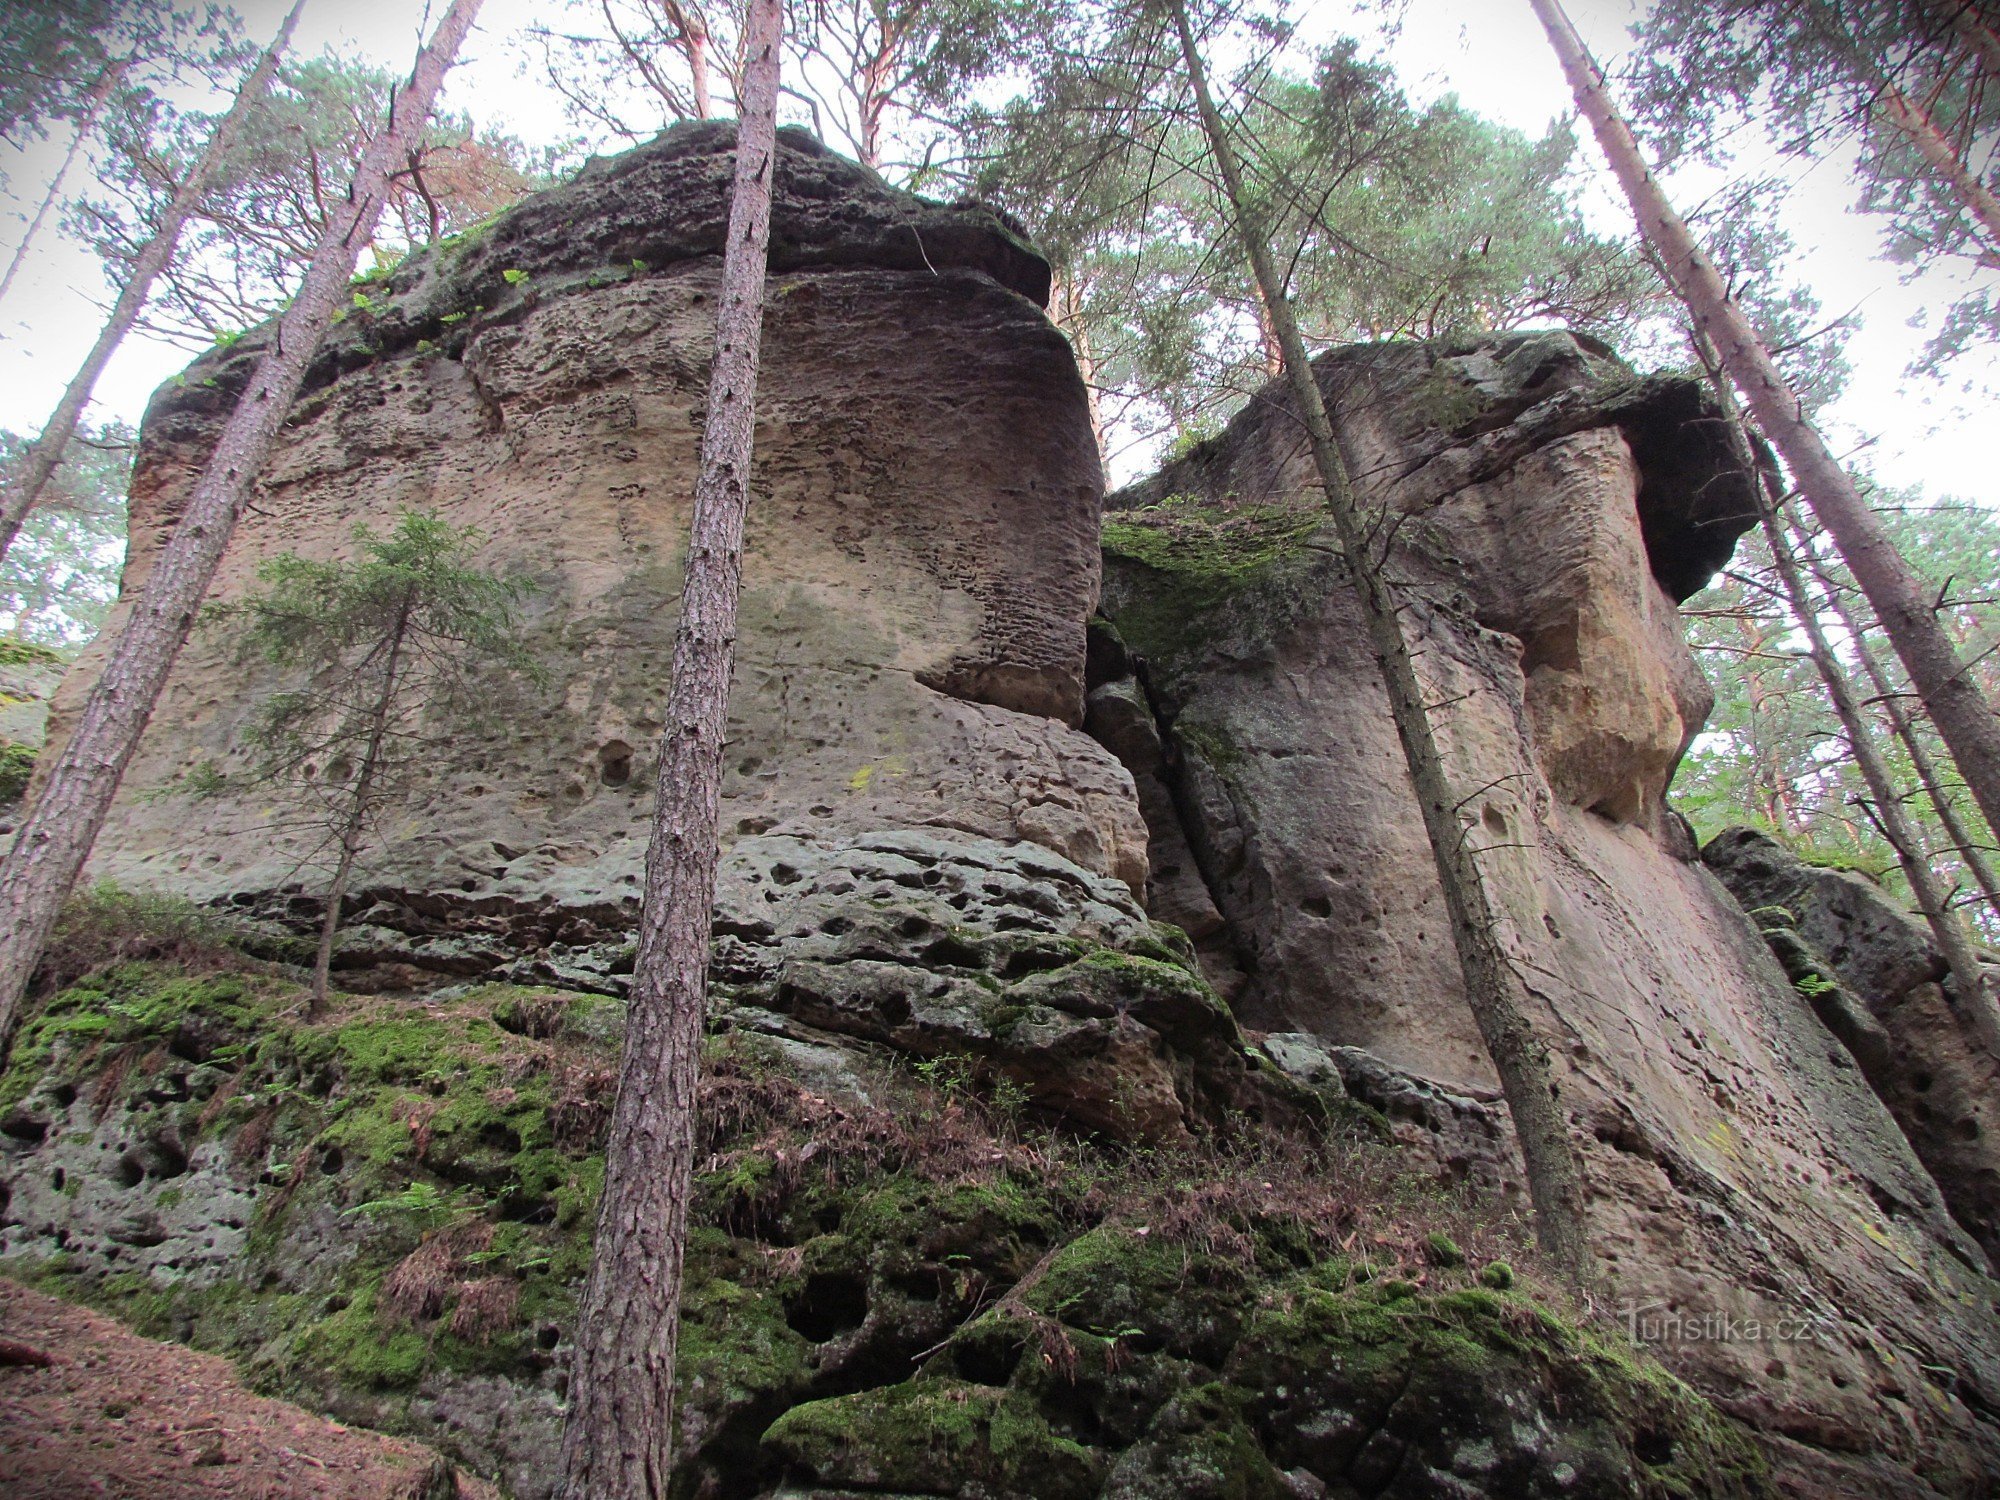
(965, 797)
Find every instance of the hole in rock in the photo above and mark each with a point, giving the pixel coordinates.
(950, 953)
(331, 1161)
(127, 1171)
(785, 875)
(614, 763)
(63, 1095)
(1653, 1446)
(24, 1127)
(57, 1178)
(827, 1306)
(339, 769)
(1319, 906)
(989, 1360)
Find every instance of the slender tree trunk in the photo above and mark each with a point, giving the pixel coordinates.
(99, 92)
(356, 821)
(48, 449)
(1962, 715)
(618, 1435)
(1492, 988)
(1961, 837)
(1916, 125)
(1965, 19)
(1766, 770)
(1968, 982)
(55, 838)
(1066, 311)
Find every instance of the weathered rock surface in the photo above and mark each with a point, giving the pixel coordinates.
(1876, 977)
(928, 858)
(917, 576)
(898, 1297)
(1552, 510)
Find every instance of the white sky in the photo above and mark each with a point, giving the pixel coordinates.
(1490, 52)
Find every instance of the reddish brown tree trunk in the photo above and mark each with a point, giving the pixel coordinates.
(71, 805)
(1492, 988)
(618, 1436)
(46, 454)
(1970, 993)
(1962, 715)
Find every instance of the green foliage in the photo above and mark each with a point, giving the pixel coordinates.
(60, 576)
(1772, 754)
(247, 246)
(17, 766)
(1393, 218)
(423, 1206)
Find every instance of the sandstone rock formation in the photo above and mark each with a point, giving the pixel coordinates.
(917, 573)
(1875, 976)
(957, 818)
(1551, 510)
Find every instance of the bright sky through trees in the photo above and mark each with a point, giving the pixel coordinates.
(1490, 52)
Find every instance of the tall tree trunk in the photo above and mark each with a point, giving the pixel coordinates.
(1766, 768)
(1965, 18)
(47, 452)
(55, 837)
(618, 1435)
(1970, 991)
(94, 106)
(356, 821)
(1915, 123)
(1066, 311)
(1928, 772)
(1962, 715)
(1492, 988)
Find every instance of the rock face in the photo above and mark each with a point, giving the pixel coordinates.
(917, 575)
(1551, 511)
(1876, 978)
(957, 818)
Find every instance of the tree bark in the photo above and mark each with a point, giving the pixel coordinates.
(99, 92)
(1962, 837)
(618, 1433)
(357, 811)
(46, 454)
(1964, 18)
(1969, 990)
(1915, 124)
(55, 838)
(1520, 1058)
(1962, 715)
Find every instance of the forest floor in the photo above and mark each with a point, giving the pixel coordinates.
(88, 1408)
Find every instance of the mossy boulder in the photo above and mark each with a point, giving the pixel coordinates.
(385, 1213)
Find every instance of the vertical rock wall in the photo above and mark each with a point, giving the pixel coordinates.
(1550, 511)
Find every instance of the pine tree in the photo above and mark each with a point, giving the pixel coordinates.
(617, 1439)
(1955, 704)
(20, 497)
(1493, 990)
(391, 650)
(73, 801)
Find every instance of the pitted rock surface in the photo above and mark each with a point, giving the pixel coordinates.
(1552, 509)
(921, 553)
(1876, 975)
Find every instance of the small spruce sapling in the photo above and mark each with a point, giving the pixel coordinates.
(392, 651)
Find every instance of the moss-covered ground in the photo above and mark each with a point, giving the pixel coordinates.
(914, 1295)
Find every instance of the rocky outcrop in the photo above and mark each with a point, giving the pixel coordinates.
(956, 826)
(1550, 511)
(28, 676)
(917, 574)
(1875, 976)
(385, 1215)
